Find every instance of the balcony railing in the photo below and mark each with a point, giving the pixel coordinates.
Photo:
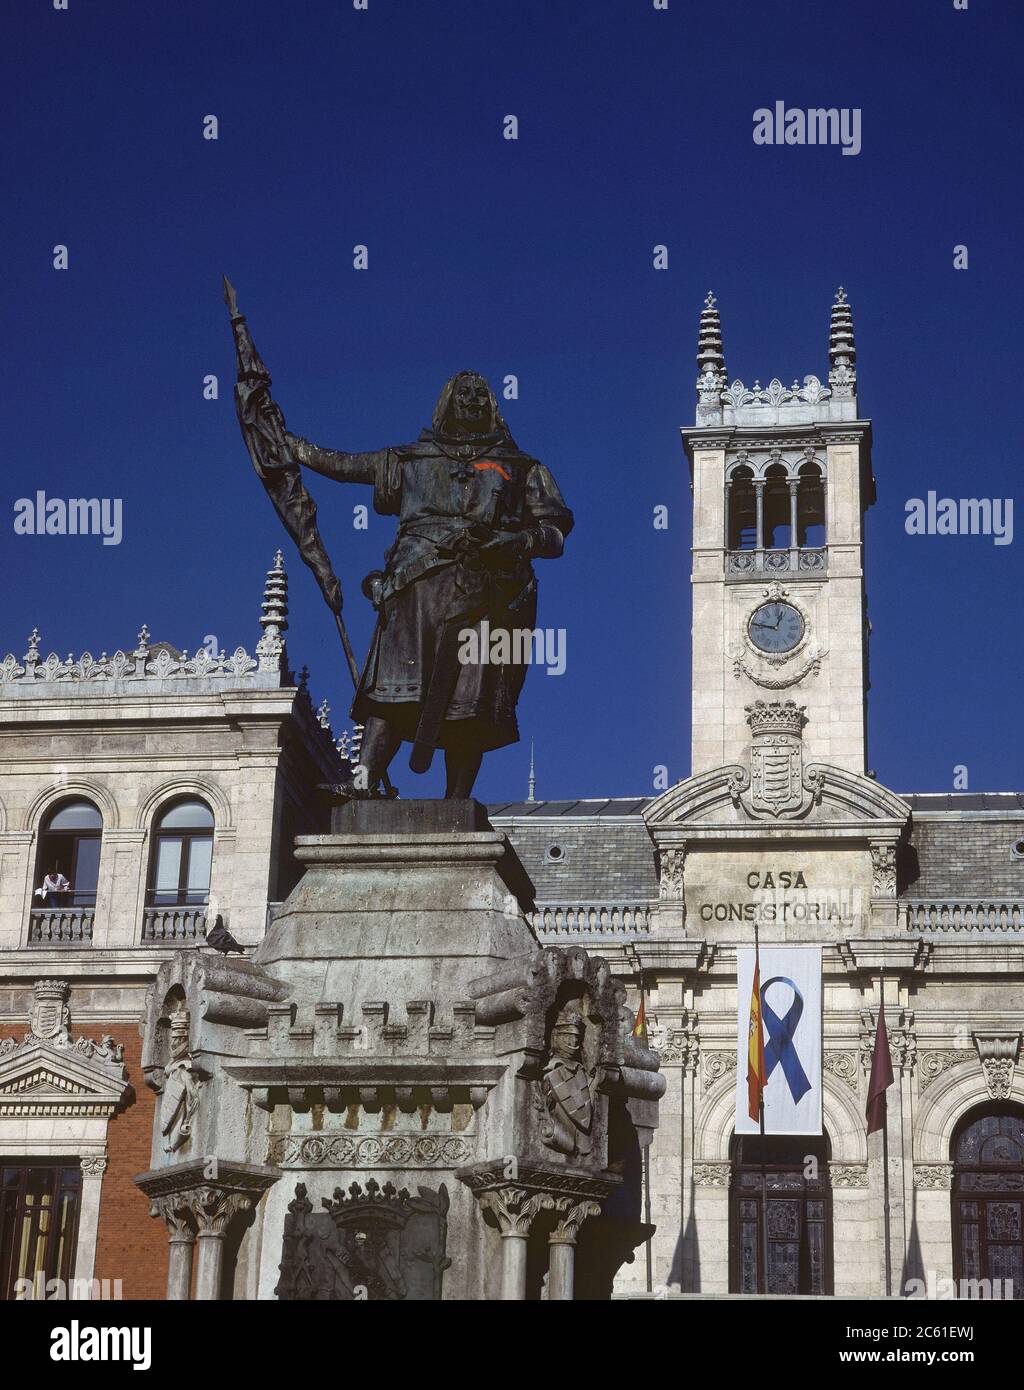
(748, 564)
(591, 919)
(962, 914)
(60, 926)
(174, 924)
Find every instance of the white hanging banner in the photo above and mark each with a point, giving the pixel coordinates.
(791, 1016)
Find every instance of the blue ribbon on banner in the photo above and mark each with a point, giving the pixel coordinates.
(779, 1049)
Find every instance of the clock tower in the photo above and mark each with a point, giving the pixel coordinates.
(781, 480)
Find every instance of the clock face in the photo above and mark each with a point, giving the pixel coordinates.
(775, 627)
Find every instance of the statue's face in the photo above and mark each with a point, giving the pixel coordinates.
(470, 411)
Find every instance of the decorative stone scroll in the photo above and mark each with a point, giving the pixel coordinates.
(933, 1176)
(848, 1174)
(712, 1174)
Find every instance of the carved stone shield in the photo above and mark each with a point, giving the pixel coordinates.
(776, 765)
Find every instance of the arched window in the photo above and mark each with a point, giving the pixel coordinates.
(988, 1197)
(69, 854)
(741, 509)
(777, 527)
(789, 1176)
(179, 867)
(810, 512)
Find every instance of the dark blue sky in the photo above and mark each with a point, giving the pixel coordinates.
(384, 127)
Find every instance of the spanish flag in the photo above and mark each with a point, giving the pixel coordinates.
(640, 1025)
(755, 1048)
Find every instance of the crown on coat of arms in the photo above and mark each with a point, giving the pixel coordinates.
(776, 717)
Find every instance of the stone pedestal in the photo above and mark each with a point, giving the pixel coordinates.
(398, 1026)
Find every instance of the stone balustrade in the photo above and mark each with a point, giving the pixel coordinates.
(60, 926)
(591, 919)
(962, 914)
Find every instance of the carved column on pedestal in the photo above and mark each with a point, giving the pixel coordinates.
(214, 1210)
(196, 1207)
(562, 1244)
(514, 1211)
(181, 1237)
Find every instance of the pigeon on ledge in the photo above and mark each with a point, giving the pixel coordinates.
(221, 939)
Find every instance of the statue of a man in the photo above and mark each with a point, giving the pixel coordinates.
(473, 512)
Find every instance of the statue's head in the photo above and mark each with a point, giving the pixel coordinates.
(467, 406)
(568, 1032)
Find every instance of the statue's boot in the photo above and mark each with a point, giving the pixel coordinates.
(380, 744)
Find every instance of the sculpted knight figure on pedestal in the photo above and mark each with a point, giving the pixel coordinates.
(473, 512)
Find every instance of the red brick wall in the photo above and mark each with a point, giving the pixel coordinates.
(131, 1245)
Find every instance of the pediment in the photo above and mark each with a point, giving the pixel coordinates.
(41, 1072)
(828, 797)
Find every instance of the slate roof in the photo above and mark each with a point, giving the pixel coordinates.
(961, 846)
(607, 854)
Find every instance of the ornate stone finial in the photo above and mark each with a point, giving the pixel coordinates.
(776, 717)
(842, 353)
(32, 655)
(712, 378)
(323, 715)
(274, 618)
(531, 785)
(142, 650)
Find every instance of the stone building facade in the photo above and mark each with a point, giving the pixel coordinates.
(165, 792)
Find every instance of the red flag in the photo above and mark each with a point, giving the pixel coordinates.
(755, 1047)
(881, 1075)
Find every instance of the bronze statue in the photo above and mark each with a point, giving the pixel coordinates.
(473, 512)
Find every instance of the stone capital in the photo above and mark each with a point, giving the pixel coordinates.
(569, 1218)
(514, 1209)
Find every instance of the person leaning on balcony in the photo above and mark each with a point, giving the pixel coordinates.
(55, 884)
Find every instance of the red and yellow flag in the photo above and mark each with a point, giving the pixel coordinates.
(755, 1048)
(640, 1025)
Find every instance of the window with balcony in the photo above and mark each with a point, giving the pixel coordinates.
(67, 872)
(178, 888)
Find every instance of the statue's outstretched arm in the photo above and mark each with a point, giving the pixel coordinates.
(332, 463)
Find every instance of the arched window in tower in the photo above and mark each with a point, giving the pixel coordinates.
(777, 520)
(179, 868)
(68, 863)
(810, 510)
(786, 1179)
(988, 1197)
(741, 509)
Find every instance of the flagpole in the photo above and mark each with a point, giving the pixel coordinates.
(760, 1121)
(647, 1172)
(885, 1164)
